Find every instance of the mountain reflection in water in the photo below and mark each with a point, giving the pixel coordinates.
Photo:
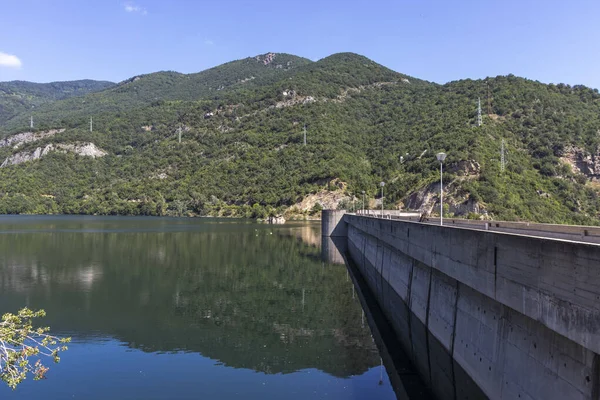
(247, 295)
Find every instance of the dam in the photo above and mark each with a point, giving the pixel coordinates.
(517, 316)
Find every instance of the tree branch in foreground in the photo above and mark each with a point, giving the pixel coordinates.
(22, 347)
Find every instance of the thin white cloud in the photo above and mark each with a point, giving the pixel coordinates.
(9, 60)
(134, 8)
(209, 42)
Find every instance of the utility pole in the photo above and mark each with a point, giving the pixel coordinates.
(305, 134)
(179, 133)
(479, 121)
(31, 122)
(502, 157)
(91, 124)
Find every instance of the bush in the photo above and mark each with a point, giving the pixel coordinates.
(581, 179)
(317, 208)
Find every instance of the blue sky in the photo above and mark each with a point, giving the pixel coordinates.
(437, 40)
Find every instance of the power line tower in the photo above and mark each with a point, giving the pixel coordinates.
(305, 134)
(502, 156)
(180, 119)
(31, 122)
(91, 124)
(479, 120)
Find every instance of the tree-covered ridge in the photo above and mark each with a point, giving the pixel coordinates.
(22, 97)
(242, 152)
(155, 88)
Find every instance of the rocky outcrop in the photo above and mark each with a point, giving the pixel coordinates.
(293, 99)
(26, 137)
(327, 200)
(582, 161)
(465, 168)
(459, 203)
(423, 200)
(466, 207)
(328, 197)
(82, 149)
(26, 156)
(428, 200)
(266, 59)
(161, 175)
(247, 79)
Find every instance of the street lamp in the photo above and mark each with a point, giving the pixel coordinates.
(363, 207)
(382, 184)
(441, 157)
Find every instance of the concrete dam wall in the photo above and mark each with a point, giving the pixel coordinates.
(518, 315)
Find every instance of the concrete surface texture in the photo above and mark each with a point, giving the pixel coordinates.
(518, 315)
(330, 223)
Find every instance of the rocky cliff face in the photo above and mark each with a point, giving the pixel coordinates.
(82, 149)
(459, 203)
(328, 198)
(428, 200)
(27, 137)
(465, 168)
(583, 162)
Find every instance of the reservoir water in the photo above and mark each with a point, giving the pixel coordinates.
(168, 308)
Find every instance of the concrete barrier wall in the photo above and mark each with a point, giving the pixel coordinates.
(518, 315)
(569, 232)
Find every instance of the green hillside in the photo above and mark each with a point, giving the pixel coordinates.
(242, 152)
(156, 88)
(22, 97)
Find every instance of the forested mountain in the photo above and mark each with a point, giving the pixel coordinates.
(155, 88)
(23, 97)
(242, 153)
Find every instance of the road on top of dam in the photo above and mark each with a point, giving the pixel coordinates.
(576, 233)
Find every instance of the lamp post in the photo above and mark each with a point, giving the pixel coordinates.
(441, 157)
(363, 207)
(382, 184)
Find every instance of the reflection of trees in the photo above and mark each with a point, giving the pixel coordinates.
(243, 294)
(309, 233)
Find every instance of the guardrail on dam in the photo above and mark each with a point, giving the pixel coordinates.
(520, 315)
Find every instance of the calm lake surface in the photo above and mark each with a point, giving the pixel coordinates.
(168, 308)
